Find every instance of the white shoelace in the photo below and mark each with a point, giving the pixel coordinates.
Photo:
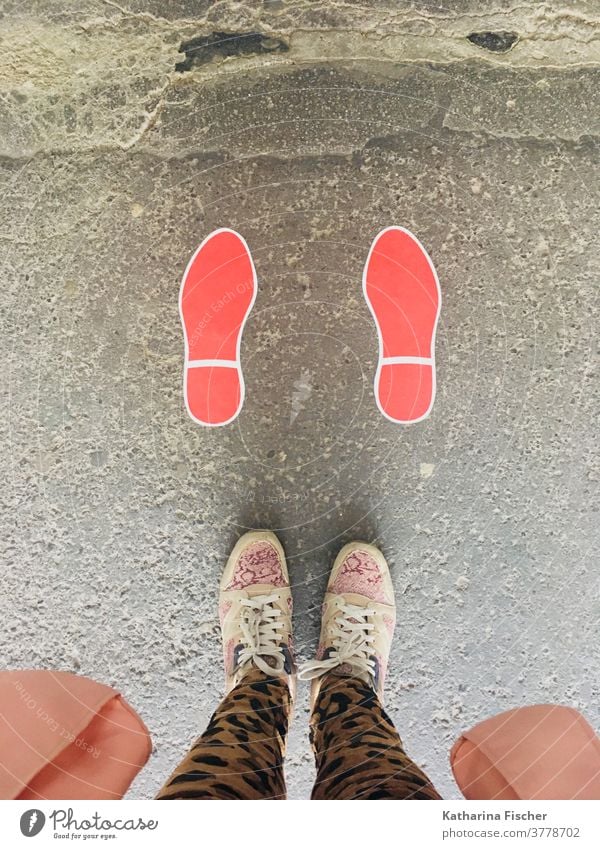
(352, 643)
(260, 623)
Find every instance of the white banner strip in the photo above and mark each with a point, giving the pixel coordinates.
(423, 825)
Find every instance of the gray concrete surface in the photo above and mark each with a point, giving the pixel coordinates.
(118, 512)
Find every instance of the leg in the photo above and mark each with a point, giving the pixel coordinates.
(358, 752)
(240, 755)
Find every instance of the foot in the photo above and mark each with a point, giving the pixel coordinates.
(359, 614)
(255, 610)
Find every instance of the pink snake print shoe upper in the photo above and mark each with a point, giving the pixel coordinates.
(360, 573)
(259, 563)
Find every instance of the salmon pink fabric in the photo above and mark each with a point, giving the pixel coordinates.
(537, 752)
(63, 736)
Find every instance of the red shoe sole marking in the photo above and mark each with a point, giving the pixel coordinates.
(217, 293)
(403, 292)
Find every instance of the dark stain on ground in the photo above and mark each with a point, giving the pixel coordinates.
(497, 42)
(205, 48)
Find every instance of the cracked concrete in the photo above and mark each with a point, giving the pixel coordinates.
(118, 512)
(96, 76)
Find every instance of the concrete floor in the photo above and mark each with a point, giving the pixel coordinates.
(118, 512)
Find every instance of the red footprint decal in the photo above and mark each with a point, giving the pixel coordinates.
(217, 293)
(403, 292)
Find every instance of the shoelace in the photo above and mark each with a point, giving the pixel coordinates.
(352, 643)
(260, 623)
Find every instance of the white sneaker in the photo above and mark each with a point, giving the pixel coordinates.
(358, 618)
(255, 610)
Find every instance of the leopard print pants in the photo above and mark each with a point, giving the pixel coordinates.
(358, 752)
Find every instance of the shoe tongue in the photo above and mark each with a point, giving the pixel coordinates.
(347, 670)
(243, 669)
(344, 669)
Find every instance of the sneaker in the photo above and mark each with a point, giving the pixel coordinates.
(255, 610)
(358, 618)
